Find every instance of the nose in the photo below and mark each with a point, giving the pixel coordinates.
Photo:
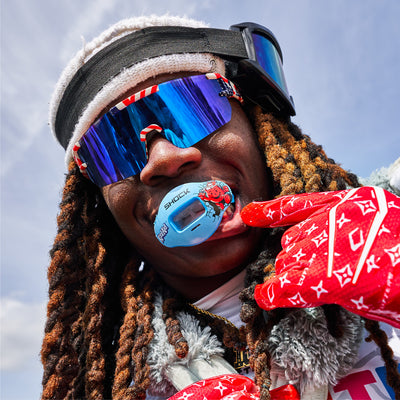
(165, 160)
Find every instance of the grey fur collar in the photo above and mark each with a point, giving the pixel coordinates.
(308, 356)
(302, 350)
(387, 178)
(202, 344)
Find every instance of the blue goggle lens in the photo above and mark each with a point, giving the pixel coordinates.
(186, 109)
(269, 60)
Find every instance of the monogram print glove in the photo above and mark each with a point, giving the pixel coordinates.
(342, 248)
(231, 387)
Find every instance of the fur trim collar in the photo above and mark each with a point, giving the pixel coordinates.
(303, 352)
(162, 358)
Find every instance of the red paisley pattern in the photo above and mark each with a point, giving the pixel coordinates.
(231, 387)
(343, 248)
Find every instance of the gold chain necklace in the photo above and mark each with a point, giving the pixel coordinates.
(241, 357)
(209, 314)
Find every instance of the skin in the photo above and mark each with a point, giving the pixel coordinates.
(231, 155)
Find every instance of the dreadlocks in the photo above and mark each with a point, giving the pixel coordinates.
(91, 262)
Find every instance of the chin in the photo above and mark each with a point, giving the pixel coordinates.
(229, 253)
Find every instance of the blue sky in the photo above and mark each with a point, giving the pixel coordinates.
(341, 62)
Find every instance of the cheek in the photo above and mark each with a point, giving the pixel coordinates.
(121, 199)
(238, 142)
(116, 197)
(128, 204)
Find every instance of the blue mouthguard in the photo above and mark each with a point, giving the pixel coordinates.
(190, 213)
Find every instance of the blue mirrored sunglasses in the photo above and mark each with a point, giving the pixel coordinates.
(184, 111)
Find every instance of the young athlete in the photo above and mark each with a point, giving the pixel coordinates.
(173, 272)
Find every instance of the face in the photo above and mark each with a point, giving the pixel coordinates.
(230, 155)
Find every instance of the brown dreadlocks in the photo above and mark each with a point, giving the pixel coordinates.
(101, 298)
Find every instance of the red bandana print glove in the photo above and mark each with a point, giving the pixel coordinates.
(231, 387)
(344, 249)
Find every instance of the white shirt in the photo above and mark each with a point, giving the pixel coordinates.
(224, 301)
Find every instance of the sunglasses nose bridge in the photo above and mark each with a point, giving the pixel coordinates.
(145, 132)
(165, 160)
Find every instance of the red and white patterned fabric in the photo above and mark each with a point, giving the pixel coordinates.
(344, 248)
(231, 387)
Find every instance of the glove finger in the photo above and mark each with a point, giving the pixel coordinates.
(241, 395)
(287, 210)
(227, 384)
(283, 290)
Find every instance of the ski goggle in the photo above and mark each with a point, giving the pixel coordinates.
(184, 111)
(260, 75)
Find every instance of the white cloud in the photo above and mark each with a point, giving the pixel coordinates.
(21, 333)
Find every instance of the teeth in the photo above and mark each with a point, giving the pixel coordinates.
(229, 211)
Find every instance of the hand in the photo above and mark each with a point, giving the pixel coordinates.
(232, 387)
(344, 248)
